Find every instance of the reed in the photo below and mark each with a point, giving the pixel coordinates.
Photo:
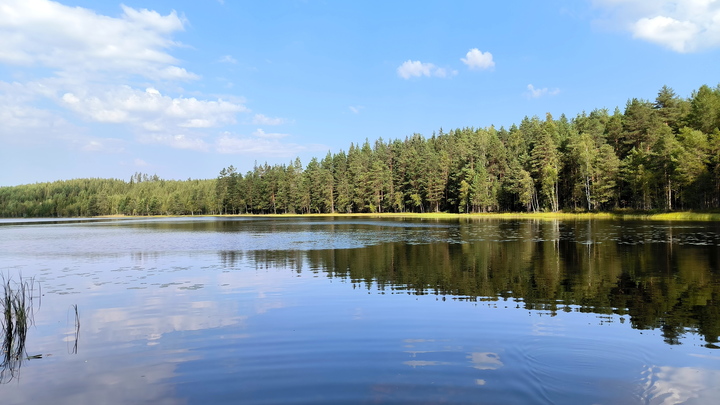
(74, 348)
(18, 313)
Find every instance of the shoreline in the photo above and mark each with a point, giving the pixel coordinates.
(548, 216)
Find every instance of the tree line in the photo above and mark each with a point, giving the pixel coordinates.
(654, 155)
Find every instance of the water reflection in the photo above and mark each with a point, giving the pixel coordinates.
(321, 311)
(652, 275)
(485, 361)
(667, 385)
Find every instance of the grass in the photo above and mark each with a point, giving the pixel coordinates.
(18, 313)
(616, 215)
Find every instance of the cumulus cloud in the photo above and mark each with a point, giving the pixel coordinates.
(74, 40)
(150, 109)
(476, 59)
(95, 64)
(537, 93)
(680, 25)
(416, 68)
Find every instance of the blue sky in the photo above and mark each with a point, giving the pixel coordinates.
(185, 88)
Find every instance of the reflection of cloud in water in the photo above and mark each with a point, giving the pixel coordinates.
(485, 361)
(544, 328)
(103, 381)
(420, 363)
(681, 385)
(123, 356)
(124, 325)
(705, 356)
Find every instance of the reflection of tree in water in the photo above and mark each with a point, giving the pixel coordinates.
(647, 272)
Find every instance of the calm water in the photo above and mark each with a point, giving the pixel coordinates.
(312, 311)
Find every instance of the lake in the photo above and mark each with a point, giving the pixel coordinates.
(345, 310)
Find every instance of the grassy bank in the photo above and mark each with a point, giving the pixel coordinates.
(634, 215)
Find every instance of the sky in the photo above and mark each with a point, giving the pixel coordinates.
(182, 89)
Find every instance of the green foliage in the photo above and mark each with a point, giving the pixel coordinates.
(663, 155)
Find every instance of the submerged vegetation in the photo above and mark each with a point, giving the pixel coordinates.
(655, 155)
(18, 311)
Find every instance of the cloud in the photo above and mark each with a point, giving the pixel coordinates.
(228, 59)
(180, 141)
(676, 35)
(418, 69)
(140, 163)
(475, 59)
(537, 93)
(262, 134)
(106, 145)
(75, 40)
(356, 109)
(150, 109)
(93, 66)
(260, 119)
(228, 143)
(681, 25)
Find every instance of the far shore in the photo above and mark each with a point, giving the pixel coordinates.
(666, 216)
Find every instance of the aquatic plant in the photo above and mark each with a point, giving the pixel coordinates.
(18, 311)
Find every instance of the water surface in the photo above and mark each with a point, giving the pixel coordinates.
(321, 310)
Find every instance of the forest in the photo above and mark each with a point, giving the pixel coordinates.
(659, 155)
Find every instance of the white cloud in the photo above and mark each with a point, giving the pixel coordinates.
(229, 144)
(475, 59)
(356, 109)
(150, 109)
(75, 40)
(443, 72)
(140, 163)
(537, 93)
(680, 25)
(107, 145)
(260, 119)
(228, 59)
(676, 35)
(262, 134)
(96, 63)
(179, 141)
(418, 69)
(23, 123)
